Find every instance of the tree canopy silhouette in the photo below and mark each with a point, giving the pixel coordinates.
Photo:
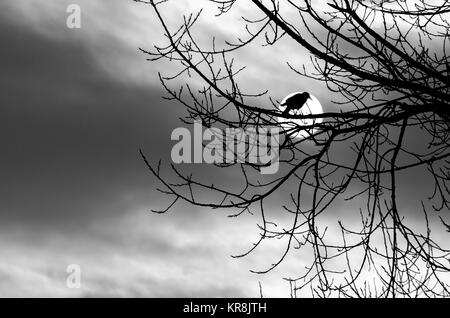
(386, 66)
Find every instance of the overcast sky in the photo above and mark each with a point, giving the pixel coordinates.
(76, 105)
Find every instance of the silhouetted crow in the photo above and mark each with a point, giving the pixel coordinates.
(295, 102)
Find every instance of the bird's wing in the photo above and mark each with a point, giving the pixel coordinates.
(289, 100)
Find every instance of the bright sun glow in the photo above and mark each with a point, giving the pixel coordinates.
(312, 106)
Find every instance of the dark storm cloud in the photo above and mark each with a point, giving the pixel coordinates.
(70, 134)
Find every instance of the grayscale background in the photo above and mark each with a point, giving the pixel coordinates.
(75, 107)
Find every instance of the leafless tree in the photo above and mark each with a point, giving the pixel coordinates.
(386, 65)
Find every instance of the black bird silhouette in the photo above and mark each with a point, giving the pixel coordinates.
(295, 102)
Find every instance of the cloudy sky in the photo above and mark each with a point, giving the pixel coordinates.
(76, 105)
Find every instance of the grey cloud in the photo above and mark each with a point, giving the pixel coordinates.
(70, 133)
